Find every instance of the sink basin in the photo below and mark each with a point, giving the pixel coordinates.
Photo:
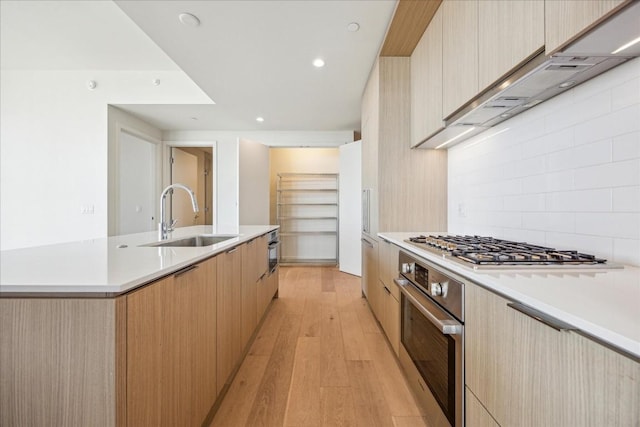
(193, 241)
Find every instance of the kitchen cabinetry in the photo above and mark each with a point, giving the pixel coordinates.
(408, 187)
(307, 212)
(389, 316)
(267, 288)
(508, 33)
(370, 269)
(566, 20)
(229, 314)
(426, 83)
(460, 54)
(525, 372)
(171, 353)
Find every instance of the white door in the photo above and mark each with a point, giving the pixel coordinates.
(136, 184)
(350, 208)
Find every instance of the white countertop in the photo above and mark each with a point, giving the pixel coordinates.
(603, 303)
(99, 266)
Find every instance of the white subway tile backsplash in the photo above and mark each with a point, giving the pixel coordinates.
(617, 174)
(626, 199)
(619, 122)
(565, 174)
(548, 143)
(626, 94)
(525, 203)
(580, 156)
(622, 225)
(599, 200)
(626, 251)
(590, 108)
(626, 147)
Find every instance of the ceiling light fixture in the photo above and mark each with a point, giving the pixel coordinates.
(91, 84)
(353, 27)
(626, 46)
(318, 63)
(260, 119)
(156, 82)
(189, 19)
(194, 118)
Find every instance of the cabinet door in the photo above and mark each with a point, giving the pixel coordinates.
(565, 20)
(392, 320)
(527, 373)
(249, 290)
(459, 53)
(261, 256)
(509, 32)
(263, 295)
(171, 357)
(476, 415)
(229, 314)
(369, 265)
(426, 82)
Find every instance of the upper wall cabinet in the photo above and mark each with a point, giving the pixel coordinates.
(426, 83)
(565, 20)
(509, 32)
(460, 54)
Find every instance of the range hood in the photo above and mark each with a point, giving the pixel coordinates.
(544, 77)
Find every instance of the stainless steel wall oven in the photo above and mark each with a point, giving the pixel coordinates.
(432, 338)
(273, 250)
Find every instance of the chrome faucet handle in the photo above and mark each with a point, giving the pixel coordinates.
(172, 226)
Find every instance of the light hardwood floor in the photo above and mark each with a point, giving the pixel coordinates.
(319, 359)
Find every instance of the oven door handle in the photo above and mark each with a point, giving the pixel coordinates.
(447, 327)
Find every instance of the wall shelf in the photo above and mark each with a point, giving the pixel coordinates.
(307, 212)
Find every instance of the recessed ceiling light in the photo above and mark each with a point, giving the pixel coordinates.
(260, 119)
(318, 62)
(189, 19)
(567, 84)
(353, 27)
(194, 118)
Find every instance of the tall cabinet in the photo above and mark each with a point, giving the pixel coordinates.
(406, 188)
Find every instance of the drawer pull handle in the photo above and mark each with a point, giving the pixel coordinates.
(184, 270)
(230, 251)
(552, 322)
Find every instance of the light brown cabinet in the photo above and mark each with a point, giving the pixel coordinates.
(262, 255)
(228, 314)
(460, 54)
(475, 414)
(389, 293)
(267, 288)
(426, 83)
(566, 20)
(249, 289)
(509, 32)
(171, 353)
(527, 373)
(370, 270)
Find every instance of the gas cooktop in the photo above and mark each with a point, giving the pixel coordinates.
(488, 252)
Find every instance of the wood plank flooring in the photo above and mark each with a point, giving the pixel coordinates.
(319, 359)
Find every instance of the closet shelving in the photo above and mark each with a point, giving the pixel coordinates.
(307, 212)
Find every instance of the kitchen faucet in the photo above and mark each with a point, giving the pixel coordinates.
(163, 228)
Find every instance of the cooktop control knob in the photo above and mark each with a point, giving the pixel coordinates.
(439, 289)
(407, 267)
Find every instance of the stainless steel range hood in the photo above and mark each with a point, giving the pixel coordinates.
(544, 77)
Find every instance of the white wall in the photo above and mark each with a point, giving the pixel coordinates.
(566, 174)
(254, 183)
(53, 147)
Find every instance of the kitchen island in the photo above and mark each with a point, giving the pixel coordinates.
(111, 332)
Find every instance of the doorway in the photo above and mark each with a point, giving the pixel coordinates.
(193, 167)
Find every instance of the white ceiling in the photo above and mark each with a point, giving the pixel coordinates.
(253, 58)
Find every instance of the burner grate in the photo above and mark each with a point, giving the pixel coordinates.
(481, 250)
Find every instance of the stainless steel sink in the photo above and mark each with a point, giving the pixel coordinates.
(193, 241)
